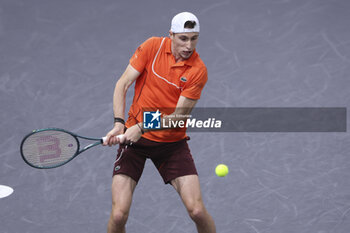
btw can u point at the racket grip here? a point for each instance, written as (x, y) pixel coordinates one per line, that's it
(120, 136)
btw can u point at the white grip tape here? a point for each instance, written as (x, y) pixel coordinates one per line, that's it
(120, 136)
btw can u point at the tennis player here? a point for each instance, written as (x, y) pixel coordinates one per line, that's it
(169, 77)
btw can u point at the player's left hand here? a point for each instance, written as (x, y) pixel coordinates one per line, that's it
(132, 135)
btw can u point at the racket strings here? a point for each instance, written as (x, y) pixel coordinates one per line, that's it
(49, 148)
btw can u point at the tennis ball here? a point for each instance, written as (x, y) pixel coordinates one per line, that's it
(221, 170)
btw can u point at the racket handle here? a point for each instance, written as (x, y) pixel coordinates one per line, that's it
(120, 136)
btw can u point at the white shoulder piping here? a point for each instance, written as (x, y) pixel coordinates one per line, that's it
(157, 75)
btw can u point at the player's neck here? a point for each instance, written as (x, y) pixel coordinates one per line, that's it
(177, 56)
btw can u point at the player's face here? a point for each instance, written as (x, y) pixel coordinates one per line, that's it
(183, 44)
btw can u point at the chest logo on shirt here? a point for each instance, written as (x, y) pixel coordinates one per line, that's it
(183, 79)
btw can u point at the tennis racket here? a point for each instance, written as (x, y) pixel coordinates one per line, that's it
(52, 147)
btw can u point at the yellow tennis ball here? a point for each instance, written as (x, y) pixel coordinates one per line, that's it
(221, 170)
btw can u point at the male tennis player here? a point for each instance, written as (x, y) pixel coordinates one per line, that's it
(169, 74)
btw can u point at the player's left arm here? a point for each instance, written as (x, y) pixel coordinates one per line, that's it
(182, 112)
(183, 108)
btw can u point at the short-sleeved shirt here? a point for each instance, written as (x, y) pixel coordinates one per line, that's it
(161, 82)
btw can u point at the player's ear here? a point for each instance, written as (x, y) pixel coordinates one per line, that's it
(171, 34)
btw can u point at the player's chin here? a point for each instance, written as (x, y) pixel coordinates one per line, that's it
(186, 55)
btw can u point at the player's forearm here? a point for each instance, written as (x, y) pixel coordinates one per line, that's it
(178, 118)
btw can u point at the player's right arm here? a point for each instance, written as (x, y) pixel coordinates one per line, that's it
(128, 77)
(136, 66)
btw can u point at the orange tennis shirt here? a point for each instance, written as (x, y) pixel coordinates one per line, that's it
(161, 82)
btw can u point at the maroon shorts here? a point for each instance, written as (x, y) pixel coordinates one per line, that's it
(172, 159)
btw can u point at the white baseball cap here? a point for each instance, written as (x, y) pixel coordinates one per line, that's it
(179, 20)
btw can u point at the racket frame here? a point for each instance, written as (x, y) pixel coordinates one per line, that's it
(75, 136)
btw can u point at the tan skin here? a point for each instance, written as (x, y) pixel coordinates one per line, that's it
(188, 187)
(183, 44)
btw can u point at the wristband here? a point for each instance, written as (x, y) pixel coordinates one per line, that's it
(142, 131)
(118, 119)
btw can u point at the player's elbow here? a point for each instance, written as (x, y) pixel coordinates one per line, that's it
(121, 86)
